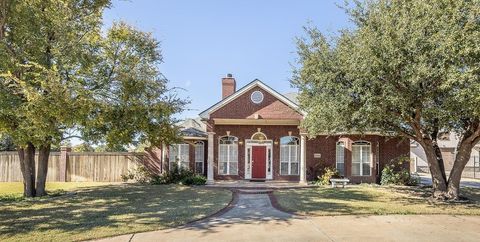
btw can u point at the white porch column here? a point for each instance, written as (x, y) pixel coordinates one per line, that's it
(164, 157)
(303, 158)
(211, 146)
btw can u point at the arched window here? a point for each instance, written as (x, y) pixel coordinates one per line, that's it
(259, 136)
(361, 158)
(228, 155)
(340, 161)
(289, 155)
(199, 157)
(179, 155)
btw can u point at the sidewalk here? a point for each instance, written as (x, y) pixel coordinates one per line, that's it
(253, 218)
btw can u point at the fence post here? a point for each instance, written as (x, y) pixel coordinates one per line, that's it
(64, 150)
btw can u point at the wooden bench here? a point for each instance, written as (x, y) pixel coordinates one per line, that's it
(342, 181)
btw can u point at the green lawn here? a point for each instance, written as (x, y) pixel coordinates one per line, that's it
(93, 211)
(368, 199)
(10, 190)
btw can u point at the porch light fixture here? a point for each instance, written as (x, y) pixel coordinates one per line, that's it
(275, 142)
(240, 142)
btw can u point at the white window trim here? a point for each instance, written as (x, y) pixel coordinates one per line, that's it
(289, 161)
(369, 145)
(228, 161)
(179, 148)
(342, 144)
(202, 161)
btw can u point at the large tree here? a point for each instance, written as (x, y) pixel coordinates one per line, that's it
(60, 74)
(408, 67)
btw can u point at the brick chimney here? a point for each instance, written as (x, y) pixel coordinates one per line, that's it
(228, 86)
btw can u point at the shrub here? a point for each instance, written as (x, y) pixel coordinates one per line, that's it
(194, 180)
(396, 173)
(328, 173)
(140, 174)
(178, 175)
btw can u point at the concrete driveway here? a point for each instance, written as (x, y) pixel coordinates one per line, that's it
(253, 218)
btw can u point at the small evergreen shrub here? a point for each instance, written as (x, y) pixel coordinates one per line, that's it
(396, 173)
(328, 173)
(194, 180)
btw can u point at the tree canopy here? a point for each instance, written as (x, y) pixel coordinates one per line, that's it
(410, 68)
(61, 74)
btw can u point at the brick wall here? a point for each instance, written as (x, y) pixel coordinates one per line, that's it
(243, 132)
(244, 108)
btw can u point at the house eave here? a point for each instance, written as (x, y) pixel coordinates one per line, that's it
(283, 122)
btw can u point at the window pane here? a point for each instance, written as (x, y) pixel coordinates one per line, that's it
(222, 168)
(184, 153)
(294, 168)
(365, 154)
(233, 168)
(199, 152)
(173, 153)
(222, 153)
(233, 155)
(293, 153)
(340, 158)
(283, 168)
(289, 140)
(356, 154)
(199, 167)
(355, 169)
(283, 153)
(341, 168)
(228, 140)
(366, 169)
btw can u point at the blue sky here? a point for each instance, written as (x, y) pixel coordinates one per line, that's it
(202, 41)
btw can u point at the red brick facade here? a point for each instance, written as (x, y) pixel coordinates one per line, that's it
(320, 151)
(243, 108)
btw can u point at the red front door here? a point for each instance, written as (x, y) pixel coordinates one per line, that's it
(259, 158)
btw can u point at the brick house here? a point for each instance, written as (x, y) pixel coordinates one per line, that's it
(253, 134)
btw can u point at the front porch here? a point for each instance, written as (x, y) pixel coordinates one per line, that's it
(269, 184)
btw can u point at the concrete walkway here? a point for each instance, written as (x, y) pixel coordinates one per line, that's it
(253, 218)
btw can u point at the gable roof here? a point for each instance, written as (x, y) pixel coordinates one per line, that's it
(255, 83)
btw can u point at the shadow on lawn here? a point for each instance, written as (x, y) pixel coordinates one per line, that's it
(125, 207)
(363, 200)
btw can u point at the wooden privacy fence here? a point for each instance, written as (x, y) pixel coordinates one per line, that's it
(82, 166)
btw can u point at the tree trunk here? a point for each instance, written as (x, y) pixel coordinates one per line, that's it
(464, 150)
(27, 166)
(439, 181)
(43, 155)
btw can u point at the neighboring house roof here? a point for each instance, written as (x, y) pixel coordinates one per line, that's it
(193, 128)
(292, 96)
(450, 140)
(255, 83)
(193, 123)
(193, 132)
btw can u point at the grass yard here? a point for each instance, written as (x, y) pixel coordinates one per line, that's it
(94, 211)
(373, 199)
(14, 190)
